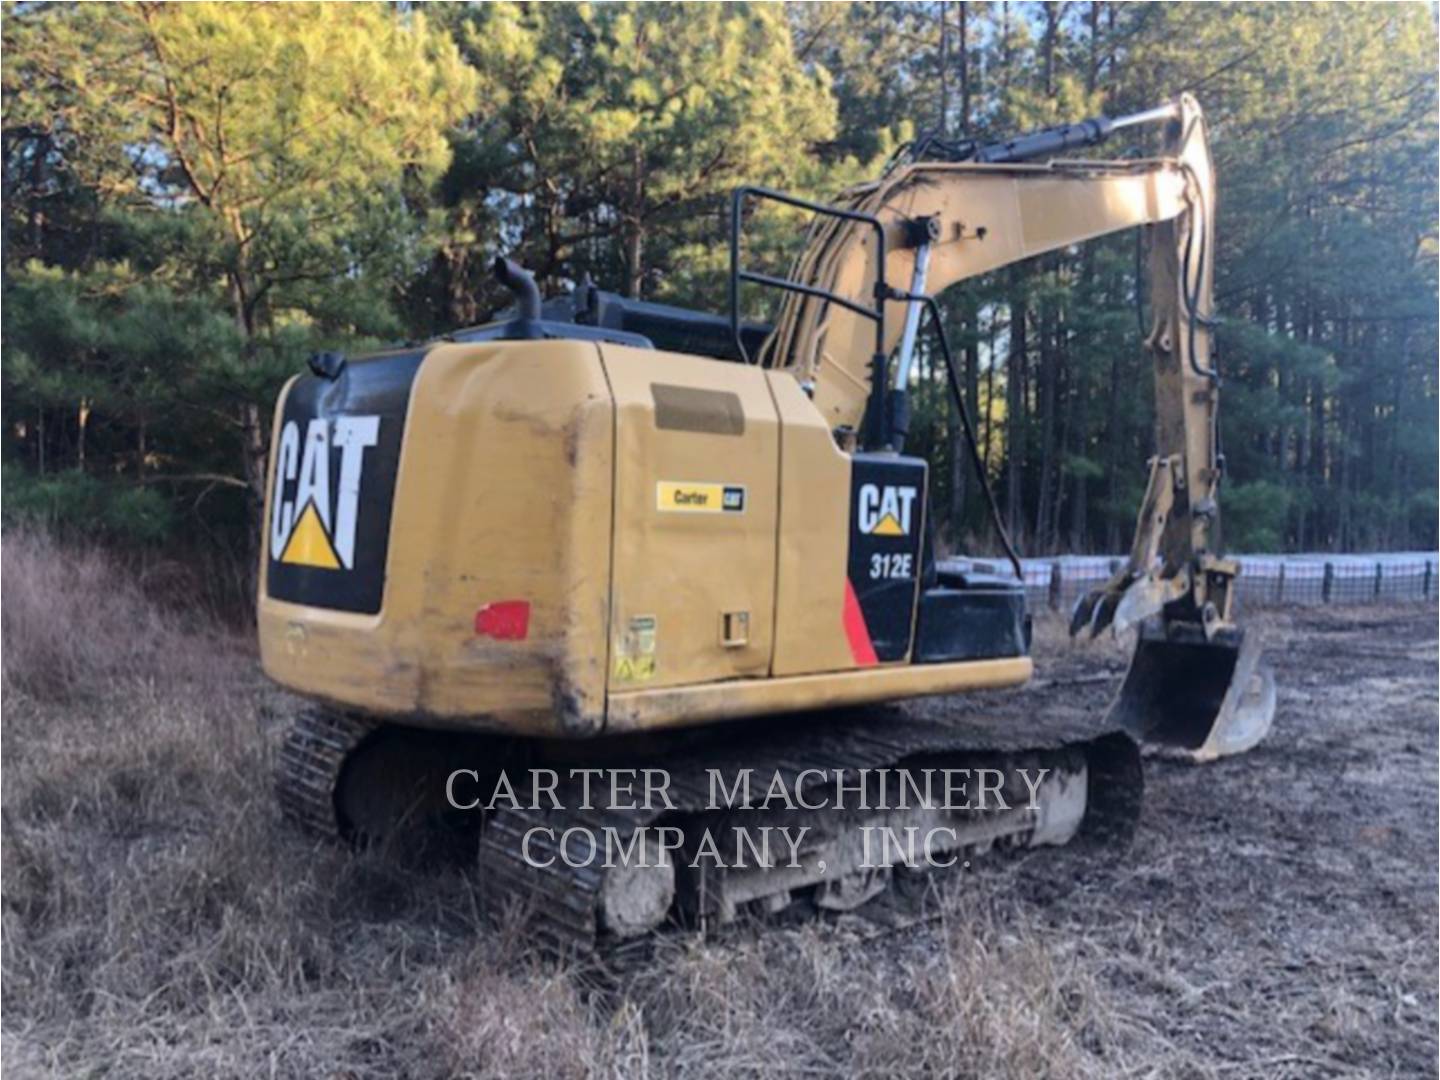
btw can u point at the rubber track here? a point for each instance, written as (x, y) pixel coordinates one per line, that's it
(308, 770)
(562, 902)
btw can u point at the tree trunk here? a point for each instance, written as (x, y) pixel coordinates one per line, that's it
(1046, 406)
(1052, 28)
(634, 270)
(943, 120)
(1080, 402)
(634, 227)
(1065, 394)
(987, 427)
(254, 431)
(972, 376)
(1092, 70)
(1114, 444)
(963, 47)
(1015, 405)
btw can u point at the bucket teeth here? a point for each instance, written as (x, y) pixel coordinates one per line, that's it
(1084, 608)
(1096, 610)
(1104, 613)
(1126, 600)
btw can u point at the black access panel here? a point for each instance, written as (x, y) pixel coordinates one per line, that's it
(887, 522)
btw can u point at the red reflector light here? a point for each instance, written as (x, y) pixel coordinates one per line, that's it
(504, 620)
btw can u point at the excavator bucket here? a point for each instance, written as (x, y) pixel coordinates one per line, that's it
(1194, 699)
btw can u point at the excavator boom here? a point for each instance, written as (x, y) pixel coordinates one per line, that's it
(928, 225)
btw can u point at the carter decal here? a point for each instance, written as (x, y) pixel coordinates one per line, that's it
(700, 498)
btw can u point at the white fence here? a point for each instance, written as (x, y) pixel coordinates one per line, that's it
(1265, 580)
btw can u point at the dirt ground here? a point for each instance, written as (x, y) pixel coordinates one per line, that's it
(1275, 917)
(1277, 913)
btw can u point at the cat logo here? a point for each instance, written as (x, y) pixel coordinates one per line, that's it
(886, 511)
(307, 526)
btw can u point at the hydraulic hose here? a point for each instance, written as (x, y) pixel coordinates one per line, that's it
(953, 378)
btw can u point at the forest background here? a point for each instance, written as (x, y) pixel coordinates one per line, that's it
(197, 196)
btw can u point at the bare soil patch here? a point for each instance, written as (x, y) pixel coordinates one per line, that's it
(1277, 913)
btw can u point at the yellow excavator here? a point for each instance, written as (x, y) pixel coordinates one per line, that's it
(607, 534)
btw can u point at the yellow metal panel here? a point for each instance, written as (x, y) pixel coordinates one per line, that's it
(262, 580)
(642, 710)
(681, 562)
(504, 494)
(814, 538)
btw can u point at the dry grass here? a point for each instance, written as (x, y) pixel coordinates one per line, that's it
(160, 920)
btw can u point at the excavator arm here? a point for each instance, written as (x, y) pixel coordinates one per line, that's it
(846, 331)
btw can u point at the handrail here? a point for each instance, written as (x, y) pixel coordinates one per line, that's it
(881, 291)
(738, 274)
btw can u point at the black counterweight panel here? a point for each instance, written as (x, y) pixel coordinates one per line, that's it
(887, 521)
(334, 464)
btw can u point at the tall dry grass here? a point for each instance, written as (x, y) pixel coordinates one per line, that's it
(160, 920)
(72, 625)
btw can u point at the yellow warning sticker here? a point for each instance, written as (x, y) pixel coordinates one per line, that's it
(697, 498)
(308, 545)
(635, 651)
(634, 669)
